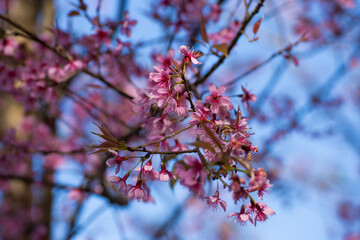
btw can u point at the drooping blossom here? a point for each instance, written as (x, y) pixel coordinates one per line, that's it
(215, 202)
(115, 161)
(260, 211)
(149, 172)
(259, 183)
(192, 174)
(165, 175)
(120, 183)
(136, 192)
(242, 217)
(216, 99)
(237, 187)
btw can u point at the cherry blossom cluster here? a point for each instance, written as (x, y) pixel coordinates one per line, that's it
(217, 147)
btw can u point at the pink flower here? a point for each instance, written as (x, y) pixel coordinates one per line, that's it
(241, 217)
(216, 100)
(201, 115)
(8, 46)
(237, 188)
(126, 24)
(161, 96)
(247, 96)
(189, 55)
(215, 12)
(241, 128)
(73, 66)
(137, 192)
(259, 183)
(161, 78)
(165, 175)
(115, 161)
(260, 211)
(215, 202)
(194, 173)
(149, 172)
(179, 146)
(77, 195)
(120, 183)
(56, 73)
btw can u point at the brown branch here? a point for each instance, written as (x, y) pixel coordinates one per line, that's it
(161, 152)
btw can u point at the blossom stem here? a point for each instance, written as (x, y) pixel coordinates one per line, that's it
(166, 137)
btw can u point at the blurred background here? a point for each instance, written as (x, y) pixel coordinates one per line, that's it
(306, 119)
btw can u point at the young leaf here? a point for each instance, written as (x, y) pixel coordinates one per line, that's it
(257, 25)
(212, 136)
(295, 61)
(203, 33)
(223, 47)
(204, 145)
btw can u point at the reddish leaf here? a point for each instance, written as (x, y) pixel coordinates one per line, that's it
(73, 13)
(95, 86)
(257, 25)
(295, 61)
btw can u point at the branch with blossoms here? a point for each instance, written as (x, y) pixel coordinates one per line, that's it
(74, 192)
(75, 64)
(220, 135)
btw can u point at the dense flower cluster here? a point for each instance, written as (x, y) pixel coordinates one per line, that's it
(220, 147)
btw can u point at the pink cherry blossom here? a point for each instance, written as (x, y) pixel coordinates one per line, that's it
(120, 183)
(242, 217)
(247, 97)
(149, 172)
(165, 175)
(115, 161)
(189, 55)
(193, 174)
(136, 192)
(126, 24)
(260, 211)
(215, 202)
(160, 77)
(216, 99)
(77, 195)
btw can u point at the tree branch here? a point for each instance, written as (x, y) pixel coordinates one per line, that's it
(240, 32)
